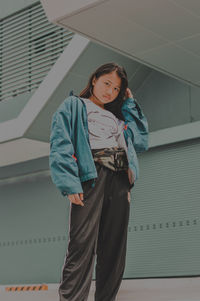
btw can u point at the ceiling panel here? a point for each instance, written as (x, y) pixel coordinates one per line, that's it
(191, 5)
(127, 35)
(162, 34)
(176, 61)
(191, 44)
(162, 17)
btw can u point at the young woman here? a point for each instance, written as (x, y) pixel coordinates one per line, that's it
(94, 140)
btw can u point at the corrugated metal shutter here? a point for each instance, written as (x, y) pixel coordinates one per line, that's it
(164, 225)
(29, 46)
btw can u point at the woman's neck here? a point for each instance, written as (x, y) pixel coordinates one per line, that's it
(96, 101)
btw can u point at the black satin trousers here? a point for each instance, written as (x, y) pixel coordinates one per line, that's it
(99, 228)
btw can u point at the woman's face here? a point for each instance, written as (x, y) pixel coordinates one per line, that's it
(106, 88)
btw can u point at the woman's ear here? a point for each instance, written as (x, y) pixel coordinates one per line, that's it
(93, 80)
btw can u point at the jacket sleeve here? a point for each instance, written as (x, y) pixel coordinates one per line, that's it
(62, 161)
(136, 126)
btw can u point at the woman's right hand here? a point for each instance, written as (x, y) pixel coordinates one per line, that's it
(76, 198)
(128, 93)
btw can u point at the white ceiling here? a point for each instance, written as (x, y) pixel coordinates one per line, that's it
(162, 34)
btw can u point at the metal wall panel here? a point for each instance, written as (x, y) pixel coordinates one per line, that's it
(33, 229)
(164, 226)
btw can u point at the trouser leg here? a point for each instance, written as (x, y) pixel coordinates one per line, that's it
(84, 223)
(112, 238)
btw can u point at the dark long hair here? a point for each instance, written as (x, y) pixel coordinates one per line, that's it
(115, 105)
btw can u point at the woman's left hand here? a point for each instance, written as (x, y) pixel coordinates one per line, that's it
(128, 93)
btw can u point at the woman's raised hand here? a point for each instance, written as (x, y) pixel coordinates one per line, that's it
(128, 93)
(76, 198)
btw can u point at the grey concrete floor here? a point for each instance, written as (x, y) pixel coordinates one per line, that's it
(163, 289)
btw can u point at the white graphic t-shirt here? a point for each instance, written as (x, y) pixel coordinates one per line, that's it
(105, 130)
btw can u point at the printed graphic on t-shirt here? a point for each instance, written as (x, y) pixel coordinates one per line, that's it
(105, 130)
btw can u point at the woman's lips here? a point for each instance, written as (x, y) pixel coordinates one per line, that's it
(107, 97)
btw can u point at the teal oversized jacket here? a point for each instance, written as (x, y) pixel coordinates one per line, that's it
(71, 160)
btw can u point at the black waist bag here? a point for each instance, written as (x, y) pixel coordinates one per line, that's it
(113, 158)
